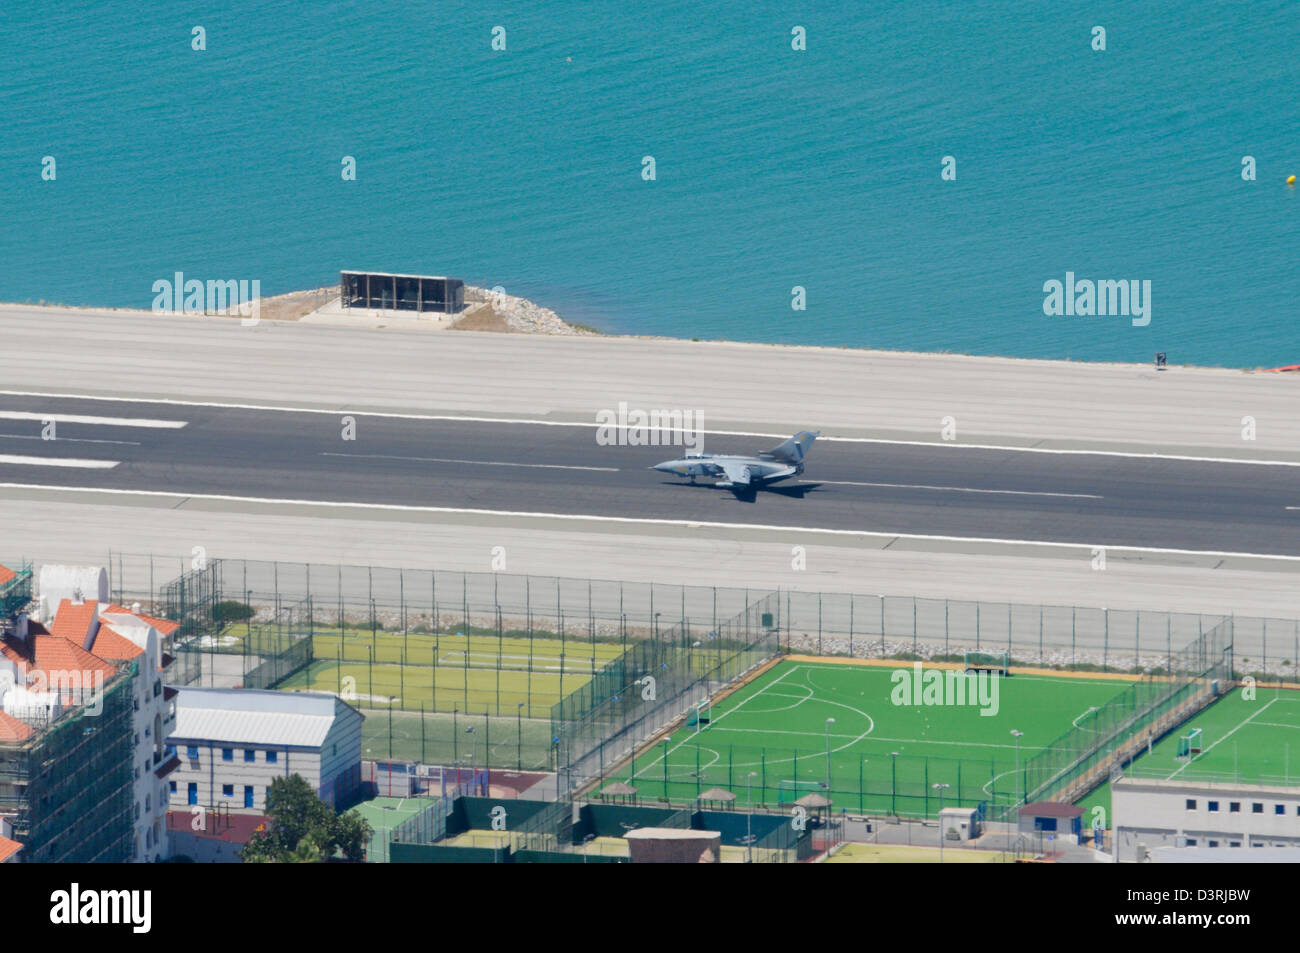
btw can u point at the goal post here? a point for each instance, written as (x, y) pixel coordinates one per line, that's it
(1189, 745)
(701, 714)
(789, 791)
(997, 662)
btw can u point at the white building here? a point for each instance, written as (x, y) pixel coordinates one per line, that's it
(233, 742)
(116, 634)
(1152, 814)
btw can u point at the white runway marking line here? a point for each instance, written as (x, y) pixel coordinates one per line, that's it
(480, 463)
(956, 489)
(27, 436)
(1206, 751)
(7, 458)
(642, 521)
(96, 421)
(173, 402)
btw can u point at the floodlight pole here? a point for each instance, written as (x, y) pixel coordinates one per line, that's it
(473, 751)
(940, 788)
(749, 819)
(519, 733)
(893, 782)
(829, 722)
(1017, 735)
(465, 652)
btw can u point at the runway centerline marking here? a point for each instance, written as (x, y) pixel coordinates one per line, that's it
(8, 458)
(956, 489)
(93, 420)
(335, 411)
(27, 436)
(480, 463)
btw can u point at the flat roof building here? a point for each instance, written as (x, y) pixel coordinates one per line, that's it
(1152, 814)
(383, 291)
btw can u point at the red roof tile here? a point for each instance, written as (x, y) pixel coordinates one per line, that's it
(111, 644)
(53, 655)
(75, 622)
(8, 848)
(163, 626)
(6, 574)
(11, 729)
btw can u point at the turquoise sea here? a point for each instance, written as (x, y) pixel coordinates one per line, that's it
(775, 168)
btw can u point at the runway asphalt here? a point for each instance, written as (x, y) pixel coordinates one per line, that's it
(938, 490)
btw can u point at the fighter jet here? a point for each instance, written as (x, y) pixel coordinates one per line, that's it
(740, 473)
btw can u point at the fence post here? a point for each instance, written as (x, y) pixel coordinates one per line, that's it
(882, 624)
(1264, 636)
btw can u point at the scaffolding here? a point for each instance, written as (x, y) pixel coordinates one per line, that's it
(67, 788)
(16, 593)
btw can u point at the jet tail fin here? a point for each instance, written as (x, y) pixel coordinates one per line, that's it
(794, 449)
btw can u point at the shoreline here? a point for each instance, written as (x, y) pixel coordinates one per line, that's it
(508, 314)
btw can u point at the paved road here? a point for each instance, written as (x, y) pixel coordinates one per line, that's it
(894, 488)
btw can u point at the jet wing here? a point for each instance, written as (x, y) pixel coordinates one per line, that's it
(737, 474)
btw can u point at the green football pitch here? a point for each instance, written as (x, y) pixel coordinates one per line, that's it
(1254, 741)
(806, 727)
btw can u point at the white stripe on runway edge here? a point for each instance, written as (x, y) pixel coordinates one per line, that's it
(57, 462)
(96, 421)
(639, 521)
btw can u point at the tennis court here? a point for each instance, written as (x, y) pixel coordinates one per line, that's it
(836, 729)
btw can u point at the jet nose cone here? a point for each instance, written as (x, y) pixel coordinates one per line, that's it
(662, 467)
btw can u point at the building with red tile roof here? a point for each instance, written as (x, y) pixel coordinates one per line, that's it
(47, 674)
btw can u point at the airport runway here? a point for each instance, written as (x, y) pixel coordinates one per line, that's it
(878, 487)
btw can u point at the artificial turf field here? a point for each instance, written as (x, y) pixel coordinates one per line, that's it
(883, 758)
(1255, 741)
(477, 673)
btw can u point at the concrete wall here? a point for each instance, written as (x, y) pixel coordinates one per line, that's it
(1155, 814)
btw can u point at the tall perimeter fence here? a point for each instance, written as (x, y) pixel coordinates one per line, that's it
(865, 626)
(549, 673)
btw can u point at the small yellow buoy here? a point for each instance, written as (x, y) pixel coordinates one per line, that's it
(1290, 180)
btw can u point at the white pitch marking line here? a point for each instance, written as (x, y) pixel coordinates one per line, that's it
(637, 521)
(27, 436)
(6, 458)
(98, 421)
(713, 721)
(481, 463)
(1206, 751)
(956, 489)
(718, 433)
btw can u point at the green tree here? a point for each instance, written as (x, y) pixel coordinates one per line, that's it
(303, 829)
